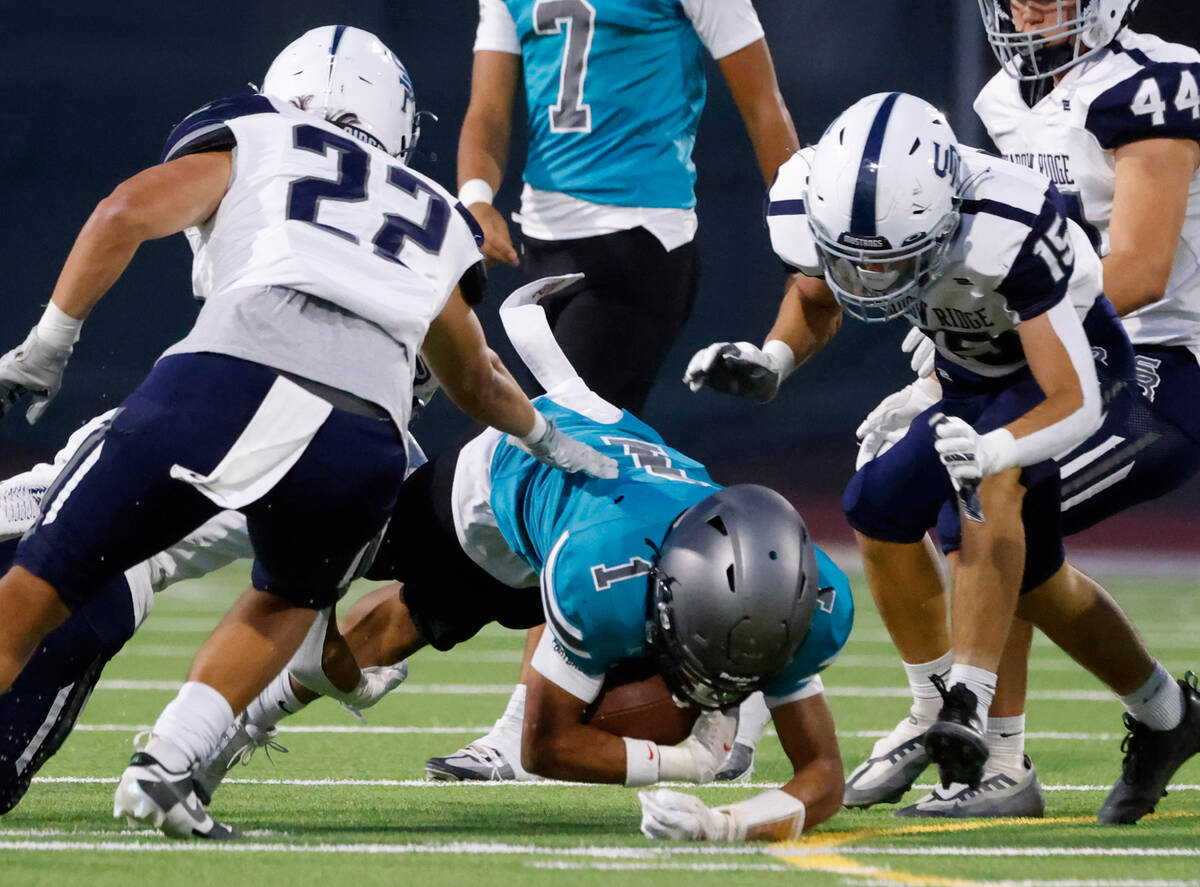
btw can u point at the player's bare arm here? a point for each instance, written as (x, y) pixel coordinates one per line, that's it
(806, 732)
(557, 744)
(808, 318)
(157, 202)
(483, 146)
(750, 74)
(1153, 179)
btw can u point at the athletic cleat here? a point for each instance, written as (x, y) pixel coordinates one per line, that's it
(475, 761)
(1151, 759)
(894, 765)
(151, 795)
(237, 747)
(998, 795)
(955, 741)
(738, 766)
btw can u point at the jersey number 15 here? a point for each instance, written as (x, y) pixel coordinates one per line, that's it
(350, 186)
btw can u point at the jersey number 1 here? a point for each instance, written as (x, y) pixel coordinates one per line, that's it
(579, 18)
(354, 164)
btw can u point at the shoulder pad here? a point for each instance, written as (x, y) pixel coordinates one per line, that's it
(206, 129)
(1159, 100)
(787, 217)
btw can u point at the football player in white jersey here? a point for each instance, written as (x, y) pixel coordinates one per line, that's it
(978, 253)
(325, 264)
(1113, 117)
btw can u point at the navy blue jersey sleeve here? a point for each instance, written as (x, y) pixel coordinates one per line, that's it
(1161, 101)
(1039, 276)
(206, 129)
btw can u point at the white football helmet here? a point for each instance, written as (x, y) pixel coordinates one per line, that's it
(883, 201)
(348, 77)
(1081, 29)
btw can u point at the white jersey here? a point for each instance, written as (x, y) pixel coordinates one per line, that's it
(1014, 256)
(311, 210)
(1140, 87)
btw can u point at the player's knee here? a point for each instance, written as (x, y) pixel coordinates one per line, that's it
(1003, 492)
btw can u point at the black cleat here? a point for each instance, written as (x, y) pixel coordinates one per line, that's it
(1151, 759)
(956, 742)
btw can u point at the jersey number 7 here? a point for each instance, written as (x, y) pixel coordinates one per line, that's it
(354, 163)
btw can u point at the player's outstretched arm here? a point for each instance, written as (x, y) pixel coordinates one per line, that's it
(155, 203)
(483, 147)
(1153, 178)
(750, 74)
(808, 318)
(813, 795)
(482, 387)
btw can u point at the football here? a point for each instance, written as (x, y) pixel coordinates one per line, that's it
(635, 702)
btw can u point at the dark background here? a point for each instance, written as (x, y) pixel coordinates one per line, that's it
(93, 89)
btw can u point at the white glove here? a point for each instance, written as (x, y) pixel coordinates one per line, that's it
(737, 368)
(549, 445)
(36, 368)
(377, 681)
(923, 352)
(968, 455)
(888, 422)
(674, 816)
(698, 757)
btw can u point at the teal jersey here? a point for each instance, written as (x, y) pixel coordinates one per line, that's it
(592, 541)
(614, 90)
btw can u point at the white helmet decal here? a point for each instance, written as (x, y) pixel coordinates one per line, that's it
(350, 78)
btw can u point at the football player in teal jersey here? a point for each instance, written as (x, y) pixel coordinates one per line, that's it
(614, 91)
(720, 589)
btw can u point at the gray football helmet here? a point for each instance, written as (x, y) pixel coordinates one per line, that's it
(732, 594)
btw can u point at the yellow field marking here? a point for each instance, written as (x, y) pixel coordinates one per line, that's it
(814, 853)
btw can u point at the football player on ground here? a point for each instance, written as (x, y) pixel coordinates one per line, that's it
(324, 265)
(639, 566)
(978, 253)
(1113, 117)
(614, 91)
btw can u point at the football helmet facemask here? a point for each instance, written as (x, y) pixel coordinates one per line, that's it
(348, 77)
(1056, 47)
(883, 203)
(731, 595)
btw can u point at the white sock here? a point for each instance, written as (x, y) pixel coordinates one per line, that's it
(1006, 744)
(979, 681)
(927, 702)
(753, 717)
(274, 703)
(513, 719)
(1158, 703)
(193, 722)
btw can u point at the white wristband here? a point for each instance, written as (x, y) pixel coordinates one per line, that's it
(781, 353)
(678, 764)
(538, 431)
(57, 328)
(476, 191)
(774, 805)
(1001, 449)
(642, 759)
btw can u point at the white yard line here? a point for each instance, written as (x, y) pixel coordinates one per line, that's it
(425, 783)
(439, 730)
(506, 690)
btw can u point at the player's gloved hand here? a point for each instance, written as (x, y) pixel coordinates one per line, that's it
(549, 445)
(923, 352)
(968, 455)
(709, 743)
(888, 422)
(736, 368)
(376, 682)
(36, 368)
(674, 816)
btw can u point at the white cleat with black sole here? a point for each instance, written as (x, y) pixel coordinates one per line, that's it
(1000, 795)
(893, 766)
(149, 794)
